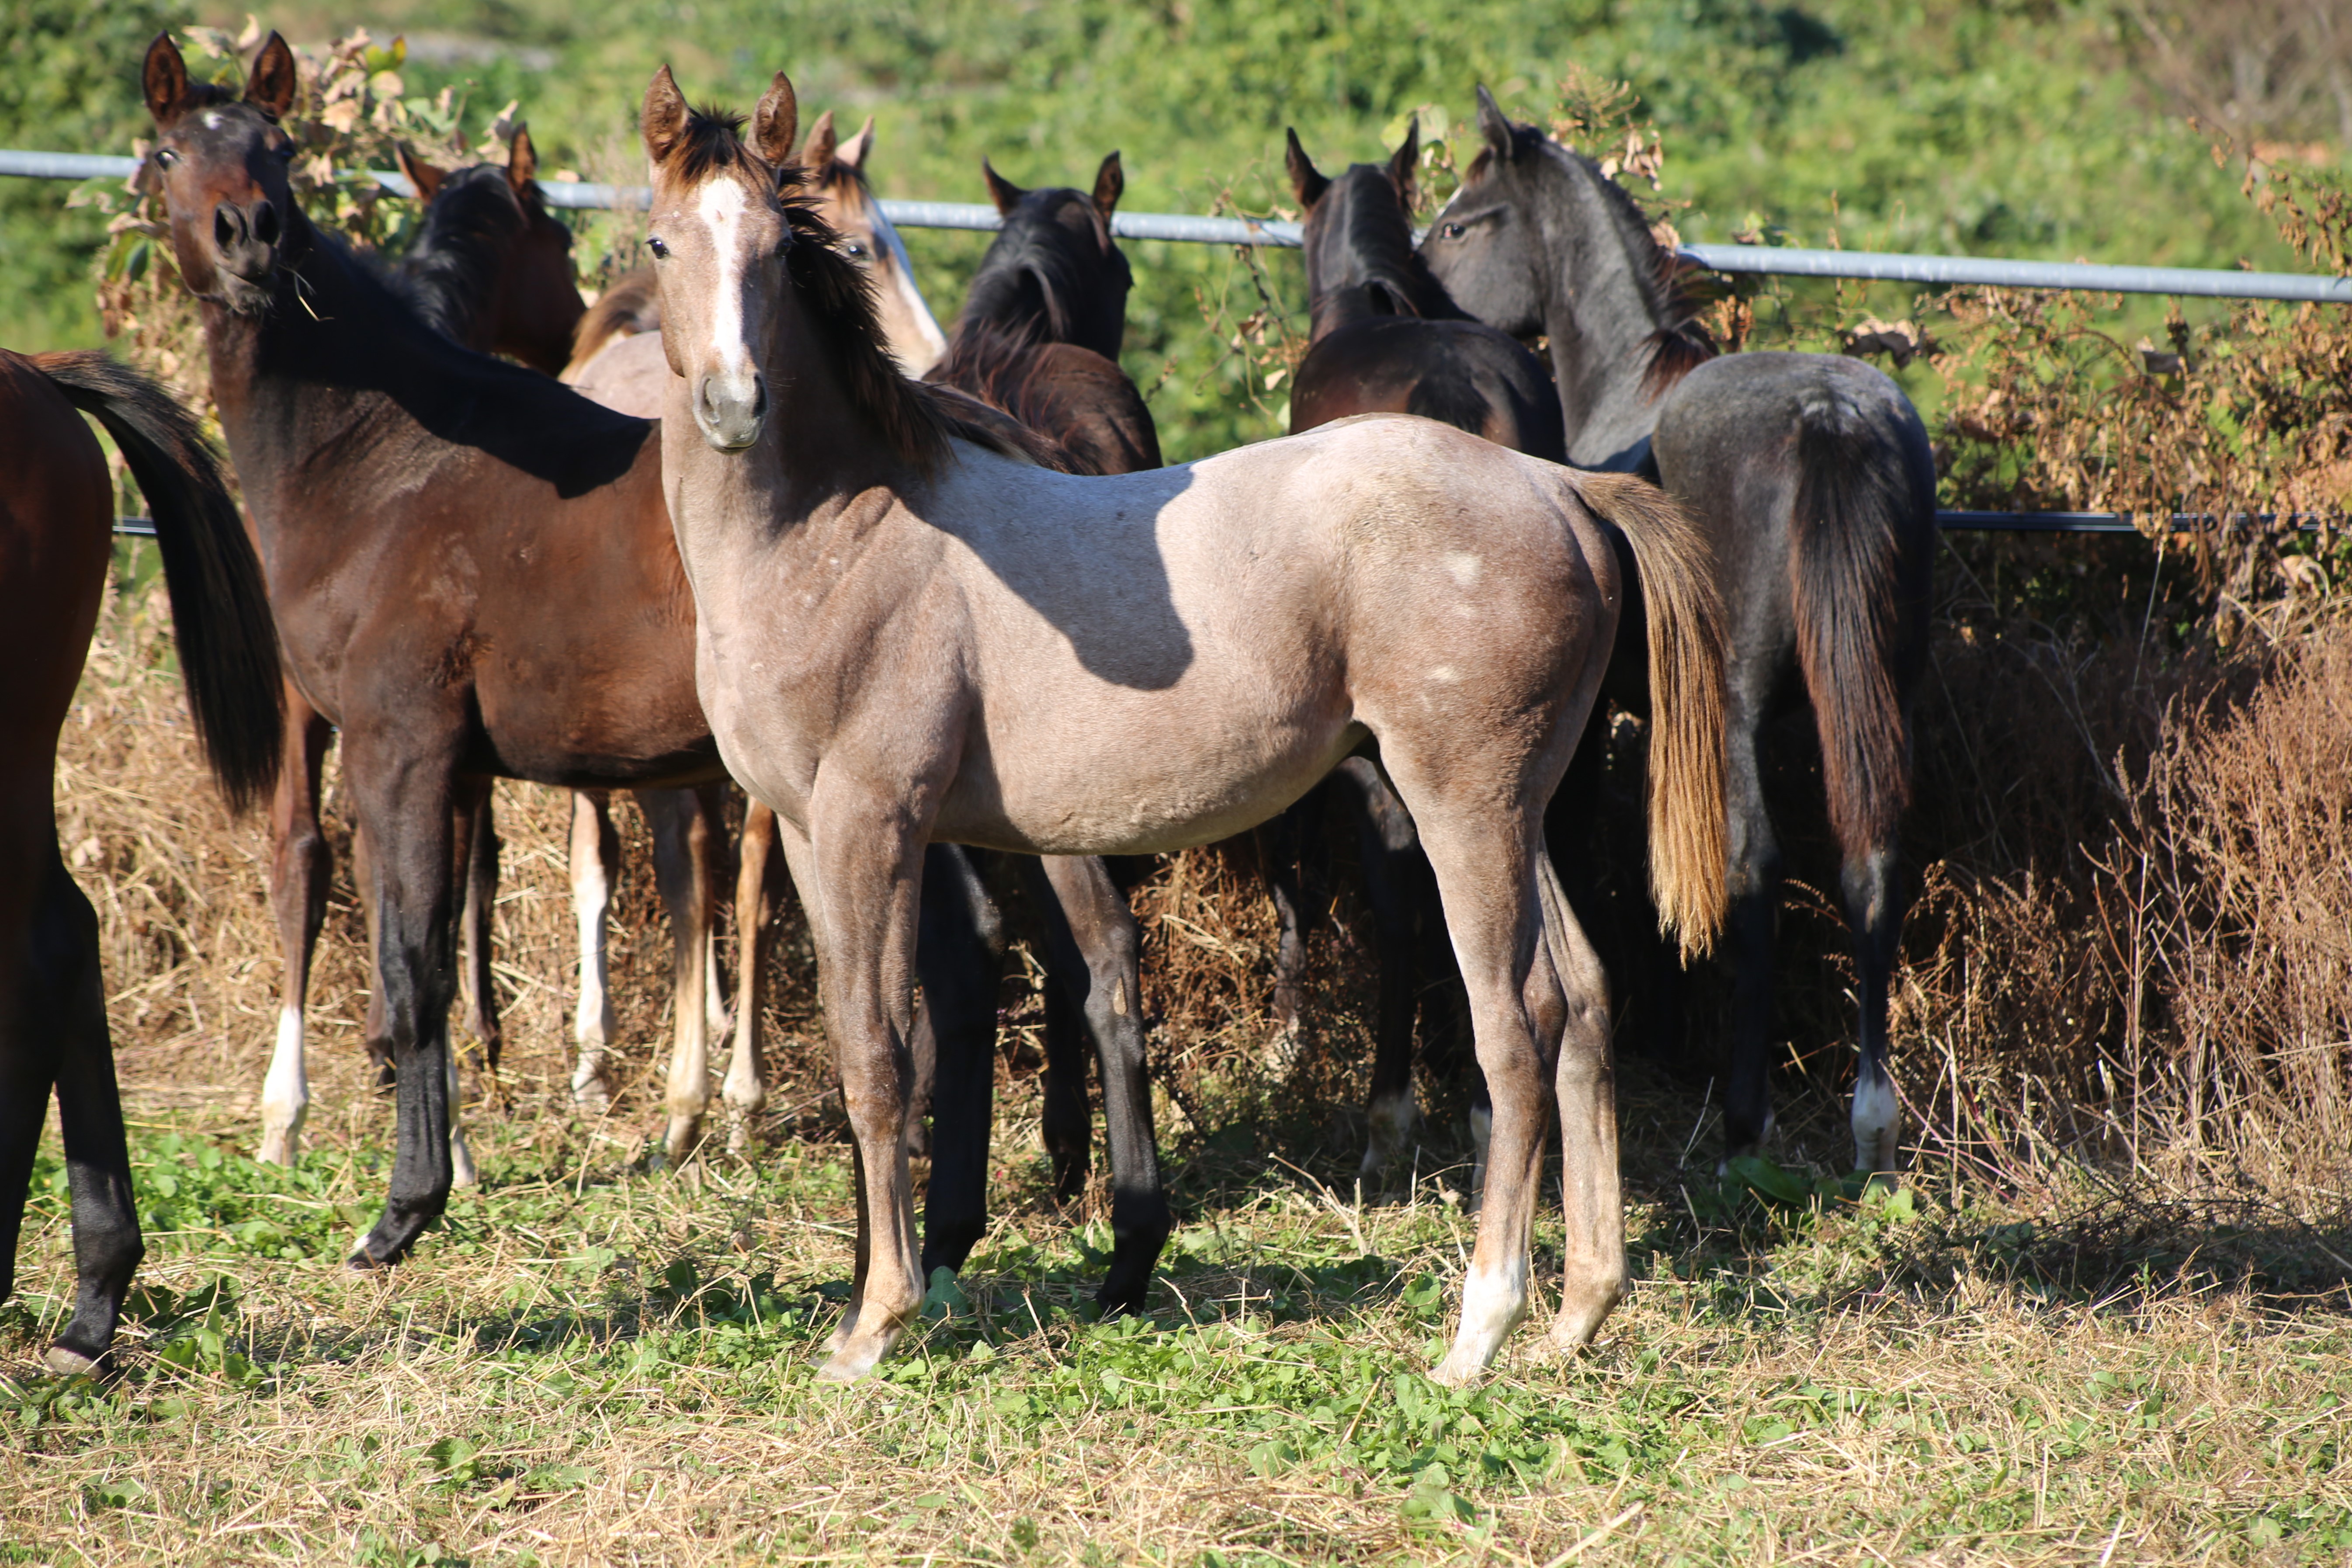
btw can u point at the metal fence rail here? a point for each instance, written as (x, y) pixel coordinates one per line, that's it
(1776, 260)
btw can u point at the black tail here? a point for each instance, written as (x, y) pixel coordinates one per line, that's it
(1864, 535)
(220, 611)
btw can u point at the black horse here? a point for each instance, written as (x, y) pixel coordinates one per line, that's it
(1814, 477)
(1385, 337)
(1039, 338)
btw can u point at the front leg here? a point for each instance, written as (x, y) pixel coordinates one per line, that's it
(404, 784)
(298, 872)
(868, 851)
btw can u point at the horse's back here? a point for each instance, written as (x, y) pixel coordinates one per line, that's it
(630, 376)
(1462, 373)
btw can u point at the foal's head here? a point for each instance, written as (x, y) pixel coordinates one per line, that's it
(845, 198)
(1359, 233)
(751, 276)
(493, 268)
(1053, 272)
(221, 162)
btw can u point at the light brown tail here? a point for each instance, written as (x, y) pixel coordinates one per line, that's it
(1687, 638)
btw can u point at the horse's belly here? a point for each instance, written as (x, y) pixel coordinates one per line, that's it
(1143, 786)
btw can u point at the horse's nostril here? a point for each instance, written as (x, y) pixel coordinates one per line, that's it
(265, 223)
(226, 229)
(759, 397)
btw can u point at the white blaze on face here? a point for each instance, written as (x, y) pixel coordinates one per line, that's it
(721, 210)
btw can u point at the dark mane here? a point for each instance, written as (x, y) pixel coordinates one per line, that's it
(915, 420)
(1375, 243)
(1038, 282)
(467, 227)
(1679, 344)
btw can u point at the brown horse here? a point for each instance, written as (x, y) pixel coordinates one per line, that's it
(472, 567)
(56, 521)
(905, 634)
(492, 270)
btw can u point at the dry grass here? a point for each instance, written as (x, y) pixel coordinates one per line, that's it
(2108, 1324)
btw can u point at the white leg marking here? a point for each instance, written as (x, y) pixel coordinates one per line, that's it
(461, 1159)
(1492, 1306)
(285, 1094)
(1877, 1119)
(1393, 1118)
(592, 1025)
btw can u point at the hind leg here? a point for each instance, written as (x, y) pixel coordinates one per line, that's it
(1283, 846)
(1497, 910)
(683, 838)
(745, 1089)
(72, 1009)
(299, 867)
(1749, 924)
(595, 859)
(1394, 878)
(959, 955)
(1097, 960)
(1875, 915)
(478, 841)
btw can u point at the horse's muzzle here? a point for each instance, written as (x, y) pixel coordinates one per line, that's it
(246, 240)
(730, 410)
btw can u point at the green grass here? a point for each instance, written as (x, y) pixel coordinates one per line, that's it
(588, 1362)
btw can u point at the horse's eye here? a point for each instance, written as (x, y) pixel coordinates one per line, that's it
(1449, 231)
(856, 251)
(165, 157)
(661, 251)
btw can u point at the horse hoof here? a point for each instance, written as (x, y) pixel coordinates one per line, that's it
(277, 1149)
(67, 1362)
(849, 1363)
(364, 1262)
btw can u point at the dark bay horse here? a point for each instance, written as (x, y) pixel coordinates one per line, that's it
(1385, 337)
(56, 527)
(492, 270)
(1812, 478)
(471, 567)
(908, 633)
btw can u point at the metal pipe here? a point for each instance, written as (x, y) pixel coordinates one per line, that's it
(1789, 262)
(1778, 260)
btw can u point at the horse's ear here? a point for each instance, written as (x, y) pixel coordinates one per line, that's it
(426, 177)
(1002, 190)
(663, 120)
(1110, 184)
(1500, 134)
(271, 84)
(1307, 182)
(854, 151)
(822, 145)
(522, 161)
(165, 78)
(776, 121)
(1406, 164)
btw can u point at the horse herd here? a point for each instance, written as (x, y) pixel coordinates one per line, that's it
(935, 603)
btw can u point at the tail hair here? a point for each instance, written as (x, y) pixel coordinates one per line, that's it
(1687, 703)
(220, 609)
(1847, 593)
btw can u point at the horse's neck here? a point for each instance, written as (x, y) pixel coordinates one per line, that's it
(283, 378)
(1373, 273)
(1599, 316)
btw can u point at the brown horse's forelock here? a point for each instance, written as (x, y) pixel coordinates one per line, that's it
(915, 422)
